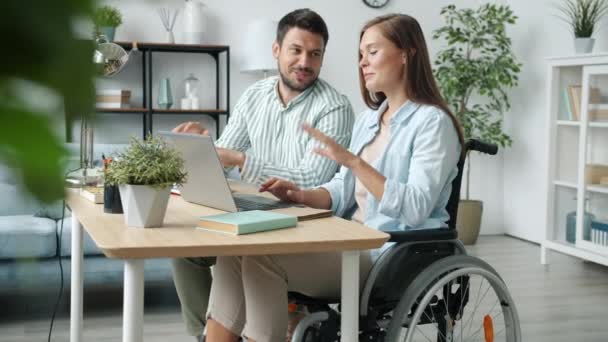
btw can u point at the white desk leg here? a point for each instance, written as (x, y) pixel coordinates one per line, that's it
(76, 285)
(350, 296)
(133, 310)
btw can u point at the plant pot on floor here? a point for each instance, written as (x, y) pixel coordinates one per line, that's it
(468, 221)
(144, 206)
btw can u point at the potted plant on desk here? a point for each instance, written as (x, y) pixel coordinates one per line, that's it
(144, 173)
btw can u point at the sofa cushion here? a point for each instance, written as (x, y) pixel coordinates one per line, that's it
(26, 236)
(89, 247)
(13, 201)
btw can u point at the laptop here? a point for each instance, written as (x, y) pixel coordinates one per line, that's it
(207, 183)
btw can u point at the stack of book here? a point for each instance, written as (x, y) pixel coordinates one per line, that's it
(93, 194)
(573, 99)
(113, 98)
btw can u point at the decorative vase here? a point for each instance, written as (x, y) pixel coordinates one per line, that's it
(144, 205)
(111, 200)
(583, 45)
(170, 37)
(194, 22)
(468, 221)
(165, 98)
(108, 31)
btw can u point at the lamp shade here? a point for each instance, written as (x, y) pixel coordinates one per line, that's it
(259, 37)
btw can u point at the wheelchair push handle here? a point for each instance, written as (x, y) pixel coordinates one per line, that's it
(480, 146)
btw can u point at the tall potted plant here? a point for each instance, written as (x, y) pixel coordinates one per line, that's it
(144, 173)
(106, 20)
(474, 72)
(582, 16)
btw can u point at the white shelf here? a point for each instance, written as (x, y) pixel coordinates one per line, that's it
(571, 249)
(565, 184)
(571, 143)
(599, 124)
(598, 188)
(568, 123)
(572, 123)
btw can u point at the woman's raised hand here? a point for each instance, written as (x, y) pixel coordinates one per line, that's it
(331, 149)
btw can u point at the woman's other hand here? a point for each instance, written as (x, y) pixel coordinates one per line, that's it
(283, 190)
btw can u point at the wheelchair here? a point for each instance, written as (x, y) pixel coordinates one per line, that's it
(423, 288)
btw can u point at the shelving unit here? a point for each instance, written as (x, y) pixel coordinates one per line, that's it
(572, 145)
(147, 110)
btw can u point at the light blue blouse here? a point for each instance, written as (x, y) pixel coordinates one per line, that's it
(419, 163)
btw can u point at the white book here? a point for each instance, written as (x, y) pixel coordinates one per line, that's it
(112, 105)
(110, 92)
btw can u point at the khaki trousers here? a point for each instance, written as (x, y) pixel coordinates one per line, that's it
(192, 278)
(249, 294)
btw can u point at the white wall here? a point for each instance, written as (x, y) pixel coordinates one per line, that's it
(512, 184)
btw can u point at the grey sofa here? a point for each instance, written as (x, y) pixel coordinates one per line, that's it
(32, 236)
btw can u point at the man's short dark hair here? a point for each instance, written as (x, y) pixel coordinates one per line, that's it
(304, 19)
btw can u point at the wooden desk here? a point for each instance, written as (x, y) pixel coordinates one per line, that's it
(179, 238)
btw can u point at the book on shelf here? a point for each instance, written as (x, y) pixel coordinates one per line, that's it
(93, 194)
(247, 222)
(597, 111)
(113, 98)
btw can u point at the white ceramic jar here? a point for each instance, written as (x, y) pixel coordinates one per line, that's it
(195, 23)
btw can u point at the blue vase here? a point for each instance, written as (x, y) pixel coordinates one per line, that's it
(108, 31)
(165, 98)
(571, 226)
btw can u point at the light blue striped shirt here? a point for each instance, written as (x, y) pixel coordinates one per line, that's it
(419, 163)
(270, 133)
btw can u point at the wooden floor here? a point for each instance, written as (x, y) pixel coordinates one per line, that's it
(563, 302)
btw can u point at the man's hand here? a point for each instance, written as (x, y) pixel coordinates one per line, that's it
(230, 158)
(283, 190)
(191, 127)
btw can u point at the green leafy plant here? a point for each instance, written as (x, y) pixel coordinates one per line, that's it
(107, 16)
(147, 162)
(583, 15)
(476, 69)
(45, 58)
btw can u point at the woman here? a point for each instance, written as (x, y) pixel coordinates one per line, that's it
(396, 175)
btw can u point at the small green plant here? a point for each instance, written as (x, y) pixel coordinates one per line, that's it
(476, 69)
(583, 15)
(149, 162)
(107, 16)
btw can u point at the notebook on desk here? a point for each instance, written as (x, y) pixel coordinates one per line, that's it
(247, 222)
(206, 183)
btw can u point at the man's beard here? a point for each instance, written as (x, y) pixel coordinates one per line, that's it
(294, 86)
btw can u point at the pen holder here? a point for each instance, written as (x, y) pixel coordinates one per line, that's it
(111, 200)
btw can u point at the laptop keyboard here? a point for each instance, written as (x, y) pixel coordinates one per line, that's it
(245, 204)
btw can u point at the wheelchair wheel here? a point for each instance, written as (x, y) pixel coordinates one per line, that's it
(458, 298)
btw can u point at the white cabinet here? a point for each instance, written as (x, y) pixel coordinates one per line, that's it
(577, 202)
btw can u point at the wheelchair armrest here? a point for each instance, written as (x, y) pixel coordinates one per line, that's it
(438, 234)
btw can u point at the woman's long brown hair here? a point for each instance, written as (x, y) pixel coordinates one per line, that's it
(420, 86)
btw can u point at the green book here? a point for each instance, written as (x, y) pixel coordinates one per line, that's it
(247, 222)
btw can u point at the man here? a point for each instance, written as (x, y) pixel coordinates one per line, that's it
(264, 138)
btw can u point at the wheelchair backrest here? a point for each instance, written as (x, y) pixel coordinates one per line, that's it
(415, 250)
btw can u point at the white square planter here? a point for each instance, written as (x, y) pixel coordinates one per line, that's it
(144, 206)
